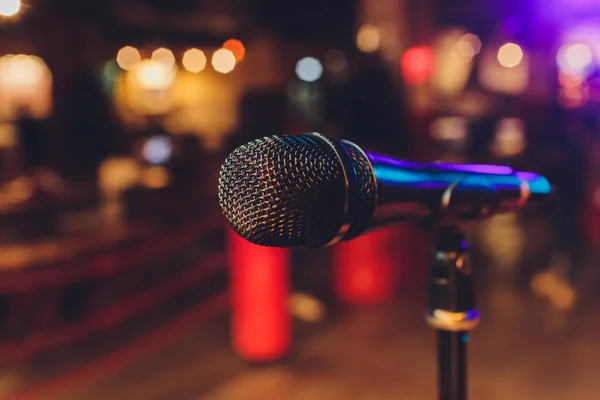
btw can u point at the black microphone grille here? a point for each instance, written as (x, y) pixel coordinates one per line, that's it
(284, 191)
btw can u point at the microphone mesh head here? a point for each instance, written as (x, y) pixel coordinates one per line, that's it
(284, 191)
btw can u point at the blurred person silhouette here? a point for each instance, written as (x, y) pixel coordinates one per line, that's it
(369, 108)
(91, 130)
(481, 138)
(32, 140)
(563, 161)
(261, 113)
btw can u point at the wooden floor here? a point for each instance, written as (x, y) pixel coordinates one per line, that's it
(523, 350)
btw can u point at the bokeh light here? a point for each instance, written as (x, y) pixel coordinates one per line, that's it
(153, 75)
(417, 64)
(23, 70)
(223, 61)
(164, 56)
(510, 55)
(306, 307)
(469, 45)
(335, 61)
(157, 150)
(453, 62)
(309, 69)
(505, 71)
(574, 97)
(368, 38)
(128, 57)
(509, 138)
(156, 177)
(110, 72)
(570, 81)
(25, 83)
(9, 8)
(237, 48)
(574, 58)
(194, 60)
(449, 128)
(584, 32)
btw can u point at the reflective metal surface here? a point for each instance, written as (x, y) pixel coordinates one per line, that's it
(312, 191)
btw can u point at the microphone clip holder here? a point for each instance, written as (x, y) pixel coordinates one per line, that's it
(451, 309)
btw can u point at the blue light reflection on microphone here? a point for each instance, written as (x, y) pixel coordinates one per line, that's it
(435, 176)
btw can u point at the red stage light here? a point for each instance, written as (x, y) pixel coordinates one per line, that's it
(417, 64)
(236, 47)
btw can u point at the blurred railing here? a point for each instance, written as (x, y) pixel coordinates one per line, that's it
(54, 305)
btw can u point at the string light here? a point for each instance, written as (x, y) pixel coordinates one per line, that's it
(128, 57)
(309, 69)
(10, 8)
(153, 75)
(194, 60)
(237, 48)
(368, 38)
(223, 61)
(510, 55)
(164, 56)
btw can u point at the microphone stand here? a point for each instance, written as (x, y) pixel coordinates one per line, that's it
(451, 310)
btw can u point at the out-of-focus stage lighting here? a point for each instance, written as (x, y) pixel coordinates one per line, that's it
(417, 64)
(509, 138)
(9, 8)
(128, 57)
(574, 58)
(157, 150)
(309, 69)
(194, 60)
(449, 129)
(164, 56)
(368, 39)
(26, 85)
(223, 61)
(152, 75)
(510, 55)
(469, 45)
(237, 48)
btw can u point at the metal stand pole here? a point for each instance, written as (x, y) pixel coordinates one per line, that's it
(451, 311)
(452, 368)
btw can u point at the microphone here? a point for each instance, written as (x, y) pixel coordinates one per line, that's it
(313, 191)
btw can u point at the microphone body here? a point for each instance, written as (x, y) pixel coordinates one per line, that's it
(418, 192)
(314, 191)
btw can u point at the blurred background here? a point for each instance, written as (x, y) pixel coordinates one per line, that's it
(114, 259)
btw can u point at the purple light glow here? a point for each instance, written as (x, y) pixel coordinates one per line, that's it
(480, 168)
(537, 183)
(526, 176)
(574, 58)
(567, 11)
(475, 168)
(581, 4)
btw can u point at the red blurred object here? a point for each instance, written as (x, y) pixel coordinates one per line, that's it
(417, 64)
(261, 321)
(591, 216)
(365, 269)
(368, 270)
(236, 47)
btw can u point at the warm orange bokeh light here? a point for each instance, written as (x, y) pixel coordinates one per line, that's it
(9, 8)
(194, 60)
(237, 48)
(128, 57)
(223, 61)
